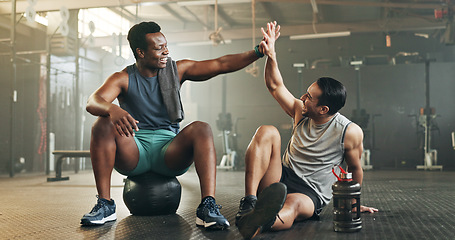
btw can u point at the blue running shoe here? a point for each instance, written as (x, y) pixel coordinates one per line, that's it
(208, 215)
(103, 211)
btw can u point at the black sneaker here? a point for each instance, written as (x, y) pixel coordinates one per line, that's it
(269, 203)
(103, 211)
(246, 205)
(208, 215)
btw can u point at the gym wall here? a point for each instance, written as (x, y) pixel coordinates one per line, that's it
(25, 126)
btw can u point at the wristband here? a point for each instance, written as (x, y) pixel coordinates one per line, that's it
(258, 53)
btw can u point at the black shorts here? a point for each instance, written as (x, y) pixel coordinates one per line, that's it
(295, 184)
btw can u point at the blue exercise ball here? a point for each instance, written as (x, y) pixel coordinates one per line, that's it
(151, 194)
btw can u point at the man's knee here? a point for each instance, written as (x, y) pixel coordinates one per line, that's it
(267, 132)
(101, 127)
(200, 129)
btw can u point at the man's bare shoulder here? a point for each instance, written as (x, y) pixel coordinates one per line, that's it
(119, 78)
(353, 136)
(120, 74)
(183, 64)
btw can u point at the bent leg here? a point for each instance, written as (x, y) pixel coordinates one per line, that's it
(195, 144)
(108, 148)
(262, 160)
(298, 207)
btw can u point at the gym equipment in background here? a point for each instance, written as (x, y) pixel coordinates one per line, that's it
(224, 123)
(229, 137)
(453, 140)
(426, 119)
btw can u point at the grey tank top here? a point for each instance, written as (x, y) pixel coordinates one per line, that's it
(314, 150)
(144, 102)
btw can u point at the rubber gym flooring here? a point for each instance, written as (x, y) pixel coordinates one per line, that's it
(412, 204)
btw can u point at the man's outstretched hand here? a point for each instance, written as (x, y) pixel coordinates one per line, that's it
(368, 209)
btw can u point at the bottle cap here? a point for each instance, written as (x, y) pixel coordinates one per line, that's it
(346, 175)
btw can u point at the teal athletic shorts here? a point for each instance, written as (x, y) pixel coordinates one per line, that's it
(152, 145)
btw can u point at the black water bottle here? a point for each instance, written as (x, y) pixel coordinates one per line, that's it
(346, 203)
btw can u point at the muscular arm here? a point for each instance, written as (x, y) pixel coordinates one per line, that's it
(100, 104)
(353, 145)
(273, 79)
(204, 70)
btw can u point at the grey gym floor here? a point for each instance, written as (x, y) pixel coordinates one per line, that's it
(412, 204)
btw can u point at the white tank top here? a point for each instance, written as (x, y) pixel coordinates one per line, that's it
(314, 149)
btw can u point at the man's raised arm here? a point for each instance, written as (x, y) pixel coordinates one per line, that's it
(272, 75)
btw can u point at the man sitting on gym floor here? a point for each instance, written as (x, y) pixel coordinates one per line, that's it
(148, 93)
(297, 187)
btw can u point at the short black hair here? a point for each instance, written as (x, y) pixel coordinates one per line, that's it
(136, 35)
(333, 94)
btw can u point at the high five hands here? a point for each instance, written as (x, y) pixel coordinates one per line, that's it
(270, 35)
